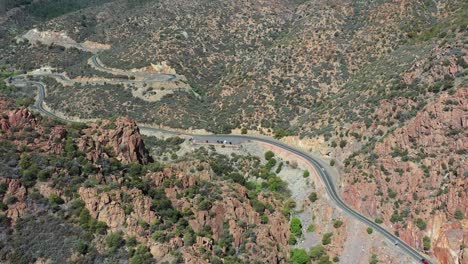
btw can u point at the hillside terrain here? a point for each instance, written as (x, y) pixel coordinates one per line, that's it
(378, 88)
(113, 202)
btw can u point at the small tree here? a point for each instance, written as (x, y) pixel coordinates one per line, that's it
(269, 154)
(244, 131)
(313, 197)
(306, 174)
(370, 230)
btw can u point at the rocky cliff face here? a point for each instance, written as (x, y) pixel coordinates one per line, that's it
(120, 139)
(230, 217)
(415, 179)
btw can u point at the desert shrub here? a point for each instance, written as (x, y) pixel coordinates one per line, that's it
(296, 226)
(420, 223)
(55, 199)
(337, 223)
(343, 143)
(426, 243)
(82, 247)
(269, 154)
(369, 230)
(142, 255)
(326, 239)
(114, 241)
(258, 206)
(311, 228)
(280, 133)
(292, 240)
(288, 206)
(316, 252)
(378, 221)
(313, 197)
(299, 256)
(459, 214)
(306, 174)
(280, 167)
(237, 178)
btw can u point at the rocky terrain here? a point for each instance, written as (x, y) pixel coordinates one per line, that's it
(100, 179)
(377, 87)
(414, 180)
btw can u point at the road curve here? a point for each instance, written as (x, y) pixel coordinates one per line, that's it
(321, 170)
(151, 77)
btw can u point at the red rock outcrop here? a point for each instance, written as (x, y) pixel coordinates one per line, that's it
(121, 140)
(419, 172)
(18, 191)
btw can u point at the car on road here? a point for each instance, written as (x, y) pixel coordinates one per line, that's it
(424, 261)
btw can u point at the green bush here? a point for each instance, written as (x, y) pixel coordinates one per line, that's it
(280, 133)
(337, 223)
(280, 167)
(258, 206)
(114, 241)
(205, 204)
(420, 224)
(142, 255)
(288, 205)
(426, 243)
(370, 230)
(296, 226)
(316, 252)
(306, 174)
(343, 143)
(326, 239)
(311, 228)
(269, 154)
(82, 247)
(313, 197)
(459, 214)
(55, 199)
(378, 221)
(299, 256)
(292, 240)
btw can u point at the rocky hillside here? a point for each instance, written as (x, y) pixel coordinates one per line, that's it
(377, 86)
(98, 183)
(414, 180)
(311, 67)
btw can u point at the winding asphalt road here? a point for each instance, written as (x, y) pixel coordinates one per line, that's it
(150, 77)
(319, 165)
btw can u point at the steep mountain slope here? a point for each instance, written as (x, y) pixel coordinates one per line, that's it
(110, 202)
(415, 179)
(379, 87)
